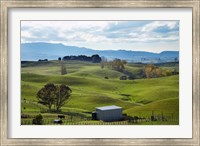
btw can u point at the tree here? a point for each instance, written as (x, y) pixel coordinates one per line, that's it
(63, 69)
(63, 95)
(152, 71)
(118, 65)
(103, 62)
(55, 95)
(59, 58)
(168, 73)
(102, 65)
(96, 59)
(124, 62)
(175, 59)
(47, 95)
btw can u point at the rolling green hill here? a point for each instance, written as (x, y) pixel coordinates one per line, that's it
(90, 89)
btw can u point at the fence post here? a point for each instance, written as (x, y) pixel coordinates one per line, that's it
(162, 117)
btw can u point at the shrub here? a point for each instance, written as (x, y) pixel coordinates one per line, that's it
(38, 120)
(23, 116)
(123, 78)
(106, 78)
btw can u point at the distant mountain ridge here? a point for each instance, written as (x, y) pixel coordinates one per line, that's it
(41, 50)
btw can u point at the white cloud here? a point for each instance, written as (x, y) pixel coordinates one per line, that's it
(26, 34)
(110, 33)
(155, 24)
(65, 25)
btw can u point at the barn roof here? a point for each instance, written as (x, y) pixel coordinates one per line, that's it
(108, 107)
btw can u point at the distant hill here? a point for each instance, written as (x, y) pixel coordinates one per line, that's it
(40, 50)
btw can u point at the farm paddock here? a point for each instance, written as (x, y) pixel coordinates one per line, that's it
(138, 97)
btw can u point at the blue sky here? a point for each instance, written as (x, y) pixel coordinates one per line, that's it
(151, 36)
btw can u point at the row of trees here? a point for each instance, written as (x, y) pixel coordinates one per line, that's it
(54, 95)
(42, 60)
(149, 71)
(93, 58)
(152, 71)
(116, 64)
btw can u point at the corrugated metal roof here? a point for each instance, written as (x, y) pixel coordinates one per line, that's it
(108, 107)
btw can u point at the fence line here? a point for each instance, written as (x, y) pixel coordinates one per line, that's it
(80, 119)
(66, 122)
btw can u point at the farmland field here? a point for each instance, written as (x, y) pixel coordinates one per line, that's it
(141, 97)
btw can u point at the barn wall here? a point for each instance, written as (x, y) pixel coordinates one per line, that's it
(99, 114)
(109, 115)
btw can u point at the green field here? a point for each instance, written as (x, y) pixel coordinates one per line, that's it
(139, 97)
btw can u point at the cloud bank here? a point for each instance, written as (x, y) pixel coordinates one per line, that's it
(152, 36)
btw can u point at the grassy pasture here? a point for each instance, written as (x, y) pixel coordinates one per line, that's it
(90, 89)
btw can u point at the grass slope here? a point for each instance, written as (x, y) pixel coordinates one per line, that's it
(90, 89)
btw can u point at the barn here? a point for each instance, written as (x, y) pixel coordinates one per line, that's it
(108, 113)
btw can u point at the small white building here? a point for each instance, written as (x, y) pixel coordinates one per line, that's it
(109, 113)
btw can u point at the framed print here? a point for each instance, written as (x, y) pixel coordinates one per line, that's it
(100, 72)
